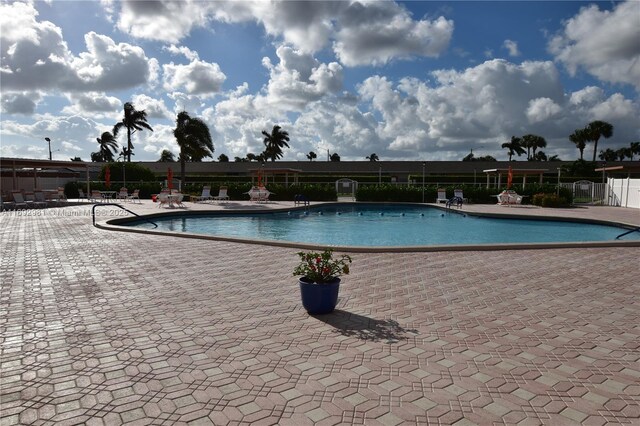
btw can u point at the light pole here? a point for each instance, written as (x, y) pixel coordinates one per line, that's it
(49, 142)
(558, 192)
(424, 165)
(380, 175)
(604, 165)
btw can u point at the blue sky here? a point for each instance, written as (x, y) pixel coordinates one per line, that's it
(416, 80)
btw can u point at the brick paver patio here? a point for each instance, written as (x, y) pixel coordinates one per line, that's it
(102, 327)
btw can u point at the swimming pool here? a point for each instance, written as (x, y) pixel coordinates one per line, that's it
(383, 225)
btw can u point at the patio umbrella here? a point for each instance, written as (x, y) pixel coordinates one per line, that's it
(170, 179)
(509, 178)
(107, 177)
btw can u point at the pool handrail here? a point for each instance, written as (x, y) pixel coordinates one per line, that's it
(93, 213)
(628, 232)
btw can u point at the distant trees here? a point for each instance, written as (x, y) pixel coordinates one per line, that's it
(472, 157)
(194, 139)
(133, 120)
(223, 158)
(167, 157)
(372, 157)
(531, 143)
(334, 157)
(312, 156)
(274, 142)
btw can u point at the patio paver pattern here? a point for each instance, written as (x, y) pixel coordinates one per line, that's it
(103, 327)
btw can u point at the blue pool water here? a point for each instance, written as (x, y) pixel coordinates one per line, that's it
(385, 225)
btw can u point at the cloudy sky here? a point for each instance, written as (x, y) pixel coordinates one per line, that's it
(418, 80)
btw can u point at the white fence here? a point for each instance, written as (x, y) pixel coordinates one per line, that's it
(624, 192)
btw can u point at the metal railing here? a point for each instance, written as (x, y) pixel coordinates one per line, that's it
(93, 213)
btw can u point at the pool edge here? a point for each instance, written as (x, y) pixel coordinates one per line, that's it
(113, 225)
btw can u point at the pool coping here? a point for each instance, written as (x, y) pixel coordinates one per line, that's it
(114, 225)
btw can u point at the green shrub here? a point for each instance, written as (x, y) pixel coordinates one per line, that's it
(549, 200)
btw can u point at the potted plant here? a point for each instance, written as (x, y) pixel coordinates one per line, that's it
(319, 281)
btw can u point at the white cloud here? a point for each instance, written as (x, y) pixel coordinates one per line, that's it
(162, 20)
(36, 57)
(299, 79)
(155, 108)
(604, 43)
(363, 33)
(196, 78)
(20, 102)
(512, 47)
(377, 32)
(182, 50)
(92, 102)
(541, 109)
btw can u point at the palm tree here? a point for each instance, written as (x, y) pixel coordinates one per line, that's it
(608, 155)
(274, 143)
(334, 157)
(514, 147)
(532, 143)
(108, 146)
(194, 140)
(579, 137)
(372, 157)
(167, 157)
(596, 130)
(634, 148)
(312, 155)
(133, 120)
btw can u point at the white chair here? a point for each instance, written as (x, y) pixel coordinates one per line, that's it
(460, 194)
(81, 195)
(177, 199)
(123, 194)
(163, 198)
(61, 196)
(442, 196)
(96, 196)
(206, 195)
(222, 194)
(135, 196)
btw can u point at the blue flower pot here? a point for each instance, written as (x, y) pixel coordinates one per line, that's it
(319, 298)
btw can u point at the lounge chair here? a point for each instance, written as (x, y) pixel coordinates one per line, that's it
(134, 196)
(206, 195)
(442, 196)
(96, 196)
(123, 194)
(19, 200)
(460, 194)
(40, 199)
(222, 194)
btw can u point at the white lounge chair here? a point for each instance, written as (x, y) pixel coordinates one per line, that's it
(96, 196)
(442, 196)
(222, 194)
(460, 194)
(135, 195)
(123, 194)
(206, 195)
